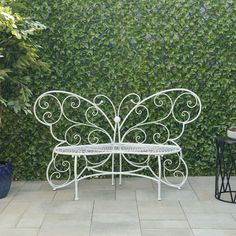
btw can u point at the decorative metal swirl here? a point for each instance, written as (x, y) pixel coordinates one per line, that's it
(54, 172)
(44, 105)
(169, 168)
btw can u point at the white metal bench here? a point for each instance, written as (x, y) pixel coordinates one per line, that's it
(147, 128)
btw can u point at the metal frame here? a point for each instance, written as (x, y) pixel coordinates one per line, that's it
(49, 109)
(225, 168)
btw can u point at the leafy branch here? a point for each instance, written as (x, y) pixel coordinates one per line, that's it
(18, 58)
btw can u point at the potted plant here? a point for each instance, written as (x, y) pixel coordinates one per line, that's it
(18, 60)
(5, 178)
(231, 132)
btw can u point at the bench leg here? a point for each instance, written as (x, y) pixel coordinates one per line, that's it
(112, 169)
(76, 179)
(159, 175)
(120, 164)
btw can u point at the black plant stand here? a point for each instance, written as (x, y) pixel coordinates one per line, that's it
(225, 169)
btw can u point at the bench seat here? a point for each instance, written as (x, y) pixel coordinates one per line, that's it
(118, 148)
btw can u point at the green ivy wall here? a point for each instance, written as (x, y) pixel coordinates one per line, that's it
(115, 47)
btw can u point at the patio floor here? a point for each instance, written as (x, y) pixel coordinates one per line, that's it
(132, 209)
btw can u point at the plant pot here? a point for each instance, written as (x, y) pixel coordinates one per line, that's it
(5, 178)
(231, 132)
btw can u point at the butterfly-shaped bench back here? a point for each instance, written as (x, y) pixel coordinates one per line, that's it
(160, 118)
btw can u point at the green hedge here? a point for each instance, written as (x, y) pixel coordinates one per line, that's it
(115, 47)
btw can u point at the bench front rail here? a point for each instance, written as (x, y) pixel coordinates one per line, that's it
(117, 140)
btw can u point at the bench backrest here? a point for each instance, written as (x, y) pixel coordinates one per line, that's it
(160, 118)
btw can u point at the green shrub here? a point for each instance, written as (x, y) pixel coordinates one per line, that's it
(116, 47)
(18, 58)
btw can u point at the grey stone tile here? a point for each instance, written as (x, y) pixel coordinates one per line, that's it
(234, 216)
(45, 186)
(160, 210)
(166, 232)
(134, 184)
(31, 220)
(214, 221)
(213, 206)
(106, 207)
(17, 184)
(72, 207)
(18, 232)
(54, 220)
(33, 196)
(146, 195)
(115, 225)
(164, 224)
(113, 218)
(16, 207)
(170, 193)
(64, 195)
(205, 194)
(186, 192)
(8, 198)
(202, 181)
(96, 194)
(79, 230)
(215, 232)
(124, 194)
(38, 207)
(173, 180)
(33, 215)
(96, 184)
(9, 220)
(118, 231)
(15, 187)
(3, 205)
(203, 186)
(31, 186)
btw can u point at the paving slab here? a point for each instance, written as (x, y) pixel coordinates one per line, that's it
(34, 196)
(164, 224)
(134, 184)
(203, 187)
(160, 210)
(209, 206)
(115, 224)
(125, 194)
(31, 220)
(9, 220)
(18, 232)
(167, 232)
(115, 206)
(96, 184)
(212, 221)
(56, 220)
(80, 230)
(96, 194)
(213, 232)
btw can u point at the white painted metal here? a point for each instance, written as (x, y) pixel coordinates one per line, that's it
(75, 177)
(50, 109)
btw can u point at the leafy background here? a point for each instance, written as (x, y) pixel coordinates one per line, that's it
(115, 47)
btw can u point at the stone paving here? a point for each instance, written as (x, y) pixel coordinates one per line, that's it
(130, 209)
